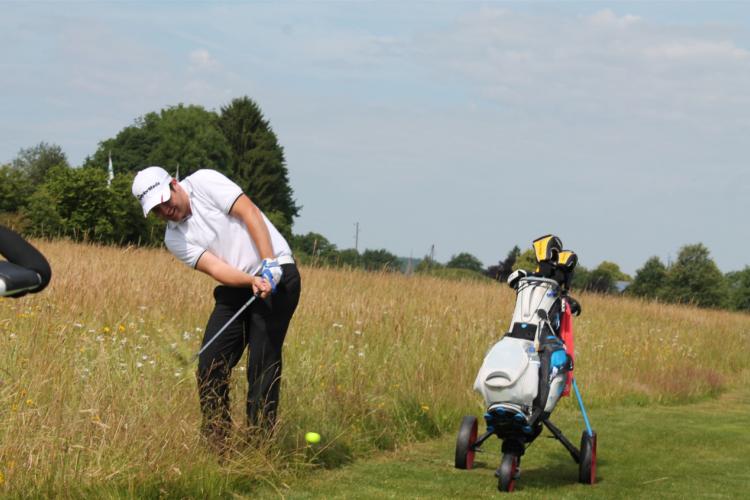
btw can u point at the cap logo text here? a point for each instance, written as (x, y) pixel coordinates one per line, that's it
(152, 186)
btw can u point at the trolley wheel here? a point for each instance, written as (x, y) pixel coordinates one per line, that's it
(508, 473)
(467, 436)
(587, 465)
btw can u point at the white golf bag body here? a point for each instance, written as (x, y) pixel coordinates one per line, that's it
(511, 369)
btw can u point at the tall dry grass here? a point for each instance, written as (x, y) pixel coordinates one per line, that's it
(94, 399)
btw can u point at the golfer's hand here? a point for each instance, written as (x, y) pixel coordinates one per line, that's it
(261, 287)
(272, 272)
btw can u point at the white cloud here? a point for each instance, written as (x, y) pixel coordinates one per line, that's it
(698, 50)
(202, 60)
(606, 18)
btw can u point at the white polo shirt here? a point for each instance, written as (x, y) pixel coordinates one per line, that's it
(211, 228)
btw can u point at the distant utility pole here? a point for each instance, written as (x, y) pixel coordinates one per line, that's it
(356, 236)
(432, 252)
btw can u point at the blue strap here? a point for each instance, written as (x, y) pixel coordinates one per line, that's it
(583, 410)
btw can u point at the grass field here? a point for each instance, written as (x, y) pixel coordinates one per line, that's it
(695, 450)
(95, 400)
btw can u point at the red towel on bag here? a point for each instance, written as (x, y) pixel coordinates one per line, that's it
(566, 334)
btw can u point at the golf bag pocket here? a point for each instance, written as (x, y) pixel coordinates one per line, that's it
(555, 364)
(509, 373)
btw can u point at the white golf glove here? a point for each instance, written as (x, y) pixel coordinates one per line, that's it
(271, 271)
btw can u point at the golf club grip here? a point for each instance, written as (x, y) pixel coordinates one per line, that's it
(20, 252)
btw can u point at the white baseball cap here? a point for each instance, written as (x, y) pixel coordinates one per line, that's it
(151, 187)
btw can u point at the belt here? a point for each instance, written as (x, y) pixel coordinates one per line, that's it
(285, 259)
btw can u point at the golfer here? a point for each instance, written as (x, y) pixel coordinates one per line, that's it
(215, 228)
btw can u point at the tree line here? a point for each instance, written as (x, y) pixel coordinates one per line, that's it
(694, 278)
(41, 194)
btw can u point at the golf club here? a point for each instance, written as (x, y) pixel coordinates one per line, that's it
(245, 306)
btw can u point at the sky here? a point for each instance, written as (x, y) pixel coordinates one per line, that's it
(621, 127)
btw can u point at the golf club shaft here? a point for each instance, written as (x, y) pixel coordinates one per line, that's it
(205, 346)
(247, 304)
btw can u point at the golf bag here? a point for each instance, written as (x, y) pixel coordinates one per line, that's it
(526, 371)
(524, 375)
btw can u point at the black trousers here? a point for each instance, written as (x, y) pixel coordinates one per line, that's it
(262, 327)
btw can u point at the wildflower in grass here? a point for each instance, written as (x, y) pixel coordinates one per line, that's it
(186, 336)
(29, 402)
(198, 329)
(121, 328)
(14, 408)
(425, 408)
(12, 335)
(99, 338)
(2, 479)
(357, 332)
(138, 364)
(106, 329)
(338, 325)
(77, 325)
(361, 354)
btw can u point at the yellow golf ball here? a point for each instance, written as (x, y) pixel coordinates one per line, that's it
(312, 437)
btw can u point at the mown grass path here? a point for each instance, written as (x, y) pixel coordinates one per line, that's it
(699, 450)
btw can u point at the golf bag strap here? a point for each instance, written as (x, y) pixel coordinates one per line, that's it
(566, 334)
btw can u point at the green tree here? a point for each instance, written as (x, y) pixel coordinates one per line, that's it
(181, 136)
(42, 214)
(427, 264)
(77, 202)
(379, 260)
(125, 214)
(503, 268)
(35, 162)
(349, 257)
(280, 223)
(581, 277)
(526, 261)
(15, 188)
(257, 160)
(649, 280)
(694, 278)
(614, 270)
(603, 278)
(465, 261)
(312, 244)
(739, 289)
